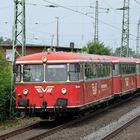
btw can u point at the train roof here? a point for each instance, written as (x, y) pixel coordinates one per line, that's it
(116, 59)
(61, 57)
(64, 57)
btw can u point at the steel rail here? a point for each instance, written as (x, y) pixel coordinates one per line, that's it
(121, 127)
(19, 131)
(63, 126)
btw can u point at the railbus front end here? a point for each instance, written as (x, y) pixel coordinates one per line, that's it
(49, 89)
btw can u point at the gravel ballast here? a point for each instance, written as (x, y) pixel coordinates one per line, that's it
(99, 134)
(87, 127)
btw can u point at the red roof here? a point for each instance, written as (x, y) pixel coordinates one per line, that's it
(61, 56)
(72, 57)
(121, 59)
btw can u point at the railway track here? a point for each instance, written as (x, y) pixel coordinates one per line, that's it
(61, 126)
(120, 128)
(19, 131)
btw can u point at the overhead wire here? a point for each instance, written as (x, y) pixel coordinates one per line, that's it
(82, 13)
(52, 4)
(137, 1)
(67, 8)
(85, 14)
(119, 14)
(112, 26)
(35, 4)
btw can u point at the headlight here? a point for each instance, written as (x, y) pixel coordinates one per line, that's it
(63, 90)
(25, 91)
(44, 59)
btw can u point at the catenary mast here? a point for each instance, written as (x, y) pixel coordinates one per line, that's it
(125, 29)
(19, 40)
(138, 40)
(96, 31)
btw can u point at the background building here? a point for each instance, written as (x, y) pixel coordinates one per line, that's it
(31, 49)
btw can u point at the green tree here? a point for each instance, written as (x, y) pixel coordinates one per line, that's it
(96, 48)
(5, 85)
(5, 41)
(118, 51)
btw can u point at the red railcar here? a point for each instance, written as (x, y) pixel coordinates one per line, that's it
(52, 83)
(137, 72)
(124, 75)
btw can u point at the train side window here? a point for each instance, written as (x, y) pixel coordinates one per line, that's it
(122, 68)
(102, 74)
(103, 70)
(134, 67)
(137, 68)
(107, 70)
(74, 71)
(127, 69)
(86, 71)
(98, 70)
(18, 73)
(115, 69)
(94, 73)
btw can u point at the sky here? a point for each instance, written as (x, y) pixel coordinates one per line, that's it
(76, 22)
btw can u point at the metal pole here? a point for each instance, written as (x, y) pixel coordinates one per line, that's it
(19, 32)
(125, 29)
(138, 40)
(23, 29)
(57, 32)
(96, 31)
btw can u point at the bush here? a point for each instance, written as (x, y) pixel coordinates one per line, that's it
(96, 48)
(5, 87)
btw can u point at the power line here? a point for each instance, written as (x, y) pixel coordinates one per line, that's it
(109, 5)
(67, 8)
(85, 14)
(81, 13)
(60, 18)
(35, 4)
(137, 1)
(119, 14)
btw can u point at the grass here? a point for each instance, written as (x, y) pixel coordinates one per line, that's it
(16, 122)
(8, 123)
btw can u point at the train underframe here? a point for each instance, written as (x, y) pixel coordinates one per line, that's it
(62, 111)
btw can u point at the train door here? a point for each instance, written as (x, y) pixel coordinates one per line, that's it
(76, 80)
(86, 83)
(138, 74)
(82, 83)
(91, 82)
(117, 79)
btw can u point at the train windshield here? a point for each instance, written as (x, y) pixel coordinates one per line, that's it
(33, 73)
(56, 72)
